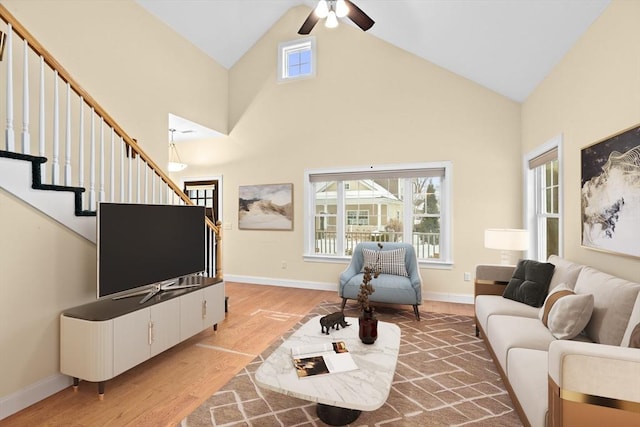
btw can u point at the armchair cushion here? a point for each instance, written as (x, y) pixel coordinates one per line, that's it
(389, 262)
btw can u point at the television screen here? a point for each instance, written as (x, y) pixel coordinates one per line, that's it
(141, 245)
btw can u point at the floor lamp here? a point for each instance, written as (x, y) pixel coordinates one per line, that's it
(506, 240)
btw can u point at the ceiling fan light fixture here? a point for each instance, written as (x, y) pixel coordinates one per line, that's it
(322, 9)
(341, 9)
(332, 20)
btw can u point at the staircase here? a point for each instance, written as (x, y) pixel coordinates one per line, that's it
(75, 155)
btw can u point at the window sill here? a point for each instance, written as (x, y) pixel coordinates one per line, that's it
(434, 265)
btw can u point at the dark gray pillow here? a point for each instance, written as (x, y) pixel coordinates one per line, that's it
(530, 282)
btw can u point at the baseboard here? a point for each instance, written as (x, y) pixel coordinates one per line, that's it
(33, 393)
(446, 297)
(431, 296)
(281, 282)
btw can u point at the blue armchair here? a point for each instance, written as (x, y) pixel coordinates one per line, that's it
(389, 288)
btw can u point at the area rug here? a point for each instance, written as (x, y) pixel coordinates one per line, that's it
(444, 377)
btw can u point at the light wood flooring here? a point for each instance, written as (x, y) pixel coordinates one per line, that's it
(165, 389)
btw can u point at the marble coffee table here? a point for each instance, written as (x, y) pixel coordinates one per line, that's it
(340, 396)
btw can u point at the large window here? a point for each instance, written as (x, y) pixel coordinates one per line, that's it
(407, 203)
(544, 201)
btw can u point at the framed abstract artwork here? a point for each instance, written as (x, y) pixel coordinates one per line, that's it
(265, 207)
(610, 195)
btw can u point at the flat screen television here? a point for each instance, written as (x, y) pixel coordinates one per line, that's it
(147, 246)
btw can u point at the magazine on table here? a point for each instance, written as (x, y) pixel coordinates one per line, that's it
(318, 359)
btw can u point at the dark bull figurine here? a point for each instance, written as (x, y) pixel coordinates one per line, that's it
(333, 320)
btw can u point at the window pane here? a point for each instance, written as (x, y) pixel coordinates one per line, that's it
(552, 236)
(426, 216)
(325, 217)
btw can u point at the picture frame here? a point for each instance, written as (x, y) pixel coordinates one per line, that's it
(265, 207)
(610, 194)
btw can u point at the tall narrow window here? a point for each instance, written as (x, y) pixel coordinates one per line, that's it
(544, 202)
(296, 59)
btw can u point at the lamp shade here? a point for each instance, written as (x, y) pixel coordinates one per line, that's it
(506, 239)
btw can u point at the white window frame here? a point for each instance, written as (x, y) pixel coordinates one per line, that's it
(533, 198)
(299, 44)
(446, 203)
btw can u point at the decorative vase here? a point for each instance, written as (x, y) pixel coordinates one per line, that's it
(368, 323)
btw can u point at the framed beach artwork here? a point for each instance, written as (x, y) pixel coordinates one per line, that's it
(610, 197)
(265, 207)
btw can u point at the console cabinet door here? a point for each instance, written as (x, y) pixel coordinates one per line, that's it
(214, 304)
(165, 325)
(191, 314)
(131, 334)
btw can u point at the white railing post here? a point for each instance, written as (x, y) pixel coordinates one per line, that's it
(55, 162)
(101, 192)
(112, 178)
(122, 165)
(92, 163)
(41, 122)
(26, 138)
(138, 167)
(67, 140)
(81, 145)
(129, 166)
(9, 133)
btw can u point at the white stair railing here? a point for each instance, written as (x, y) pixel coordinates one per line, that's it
(114, 166)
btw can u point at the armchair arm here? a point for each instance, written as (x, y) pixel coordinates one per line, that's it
(596, 369)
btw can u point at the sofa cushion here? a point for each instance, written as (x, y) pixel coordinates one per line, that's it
(530, 282)
(565, 313)
(390, 262)
(508, 332)
(565, 272)
(613, 302)
(490, 305)
(633, 321)
(528, 373)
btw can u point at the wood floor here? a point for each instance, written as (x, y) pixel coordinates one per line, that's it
(163, 390)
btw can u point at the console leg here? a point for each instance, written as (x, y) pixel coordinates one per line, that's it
(215, 327)
(101, 390)
(76, 381)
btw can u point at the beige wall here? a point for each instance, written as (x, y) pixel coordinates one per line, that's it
(139, 71)
(370, 104)
(592, 94)
(132, 64)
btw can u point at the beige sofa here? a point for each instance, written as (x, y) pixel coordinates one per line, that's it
(590, 379)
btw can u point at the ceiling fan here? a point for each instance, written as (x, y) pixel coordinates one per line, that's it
(332, 10)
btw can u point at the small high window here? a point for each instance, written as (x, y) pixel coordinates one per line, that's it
(296, 59)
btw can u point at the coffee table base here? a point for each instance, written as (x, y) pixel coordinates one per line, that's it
(336, 416)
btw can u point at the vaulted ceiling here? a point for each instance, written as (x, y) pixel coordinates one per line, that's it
(508, 46)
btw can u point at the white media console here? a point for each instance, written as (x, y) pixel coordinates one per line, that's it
(103, 339)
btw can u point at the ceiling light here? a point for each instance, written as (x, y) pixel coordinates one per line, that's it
(175, 164)
(341, 9)
(322, 9)
(332, 20)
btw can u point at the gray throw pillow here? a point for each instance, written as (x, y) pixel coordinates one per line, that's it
(530, 282)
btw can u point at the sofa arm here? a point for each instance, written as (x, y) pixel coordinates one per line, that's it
(596, 370)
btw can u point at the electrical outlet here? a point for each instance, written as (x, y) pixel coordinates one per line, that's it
(284, 264)
(467, 277)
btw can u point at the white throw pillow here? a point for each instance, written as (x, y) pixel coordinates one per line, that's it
(565, 313)
(389, 262)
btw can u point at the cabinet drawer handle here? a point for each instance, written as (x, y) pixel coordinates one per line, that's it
(150, 332)
(204, 309)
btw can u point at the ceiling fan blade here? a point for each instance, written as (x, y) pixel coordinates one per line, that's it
(360, 18)
(309, 23)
